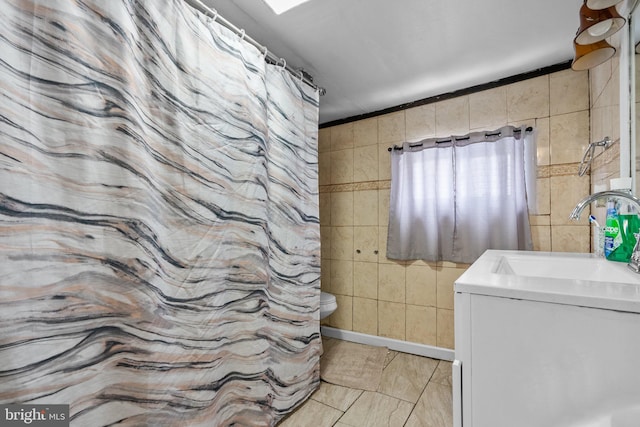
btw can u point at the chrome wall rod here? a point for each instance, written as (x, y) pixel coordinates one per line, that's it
(431, 141)
(269, 57)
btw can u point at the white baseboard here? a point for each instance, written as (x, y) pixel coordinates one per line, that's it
(390, 343)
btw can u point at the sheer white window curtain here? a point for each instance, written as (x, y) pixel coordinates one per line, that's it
(452, 200)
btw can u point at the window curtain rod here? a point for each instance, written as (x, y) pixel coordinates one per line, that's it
(468, 137)
(269, 57)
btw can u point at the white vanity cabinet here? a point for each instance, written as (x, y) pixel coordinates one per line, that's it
(545, 351)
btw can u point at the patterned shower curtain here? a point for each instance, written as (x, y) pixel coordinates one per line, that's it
(159, 233)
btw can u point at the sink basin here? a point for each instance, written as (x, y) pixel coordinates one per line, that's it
(560, 266)
(565, 278)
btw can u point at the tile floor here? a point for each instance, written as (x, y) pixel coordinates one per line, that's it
(414, 391)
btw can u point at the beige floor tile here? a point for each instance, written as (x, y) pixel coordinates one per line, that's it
(434, 409)
(312, 414)
(327, 343)
(336, 396)
(442, 375)
(406, 376)
(390, 356)
(377, 410)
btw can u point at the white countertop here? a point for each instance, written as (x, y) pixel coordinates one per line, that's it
(555, 277)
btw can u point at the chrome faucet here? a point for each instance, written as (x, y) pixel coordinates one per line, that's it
(634, 263)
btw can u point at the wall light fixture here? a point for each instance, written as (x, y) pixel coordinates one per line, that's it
(591, 55)
(596, 25)
(601, 4)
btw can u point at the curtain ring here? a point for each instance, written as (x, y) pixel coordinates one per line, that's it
(242, 34)
(265, 53)
(284, 63)
(301, 75)
(215, 15)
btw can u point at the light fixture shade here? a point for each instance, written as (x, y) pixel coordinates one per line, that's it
(601, 4)
(591, 55)
(596, 25)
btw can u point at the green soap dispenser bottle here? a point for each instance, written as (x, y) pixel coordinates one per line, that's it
(621, 231)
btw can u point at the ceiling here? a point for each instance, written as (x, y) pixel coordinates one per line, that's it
(370, 55)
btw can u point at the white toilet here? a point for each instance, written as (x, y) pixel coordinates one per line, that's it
(328, 304)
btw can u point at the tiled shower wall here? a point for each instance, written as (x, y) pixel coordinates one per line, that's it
(413, 301)
(604, 83)
(605, 120)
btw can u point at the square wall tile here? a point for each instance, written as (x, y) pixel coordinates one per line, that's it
(445, 335)
(365, 316)
(391, 282)
(365, 207)
(325, 242)
(391, 320)
(324, 200)
(541, 236)
(612, 128)
(569, 135)
(342, 277)
(342, 166)
(365, 280)
(568, 92)
(540, 220)
(365, 132)
(382, 246)
(383, 207)
(384, 162)
(342, 243)
(391, 128)
(599, 119)
(365, 243)
(543, 196)
(543, 141)
(421, 285)
(325, 275)
(528, 99)
(566, 192)
(421, 325)
(365, 163)
(445, 279)
(421, 122)
(488, 109)
(342, 318)
(342, 208)
(324, 168)
(449, 264)
(452, 116)
(611, 94)
(324, 140)
(566, 238)
(599, 77)
(342, 136)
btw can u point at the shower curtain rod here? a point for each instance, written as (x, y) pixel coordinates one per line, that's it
(269, 57)
(457, 138)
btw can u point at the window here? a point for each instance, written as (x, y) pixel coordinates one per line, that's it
(452, 200)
